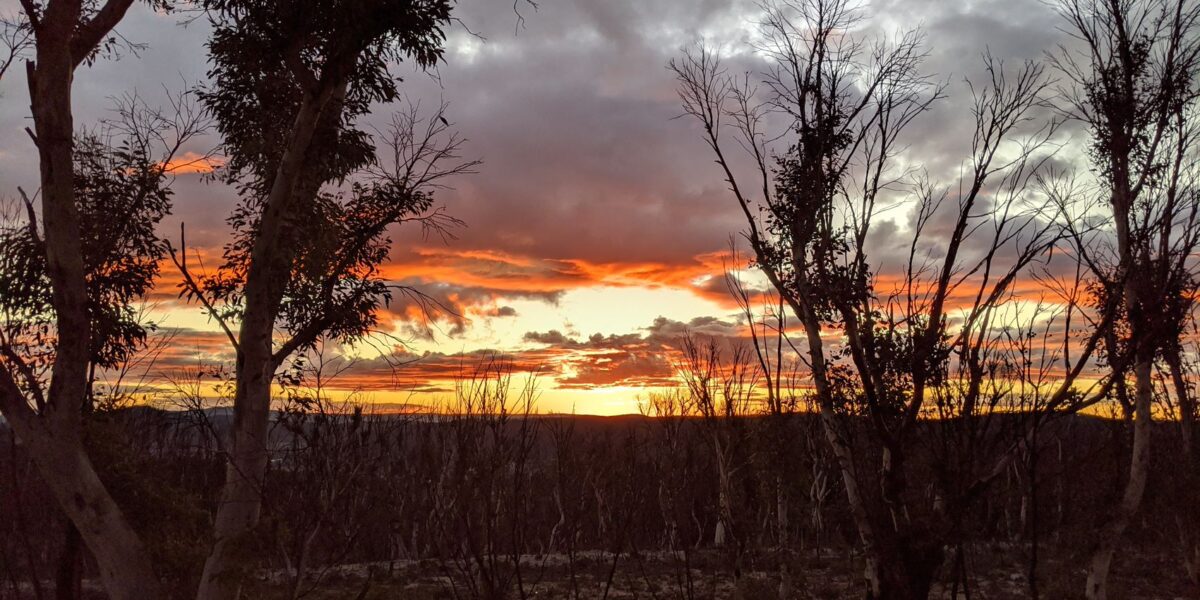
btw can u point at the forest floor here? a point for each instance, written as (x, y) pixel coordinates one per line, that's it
(996, 573)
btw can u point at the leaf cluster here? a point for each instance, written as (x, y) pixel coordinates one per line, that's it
(122, 195)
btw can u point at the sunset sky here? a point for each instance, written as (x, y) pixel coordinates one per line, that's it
(598, 227)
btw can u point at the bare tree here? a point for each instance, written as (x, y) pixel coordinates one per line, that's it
(483, 521)
(15, 39)
(721, 385)
(1132, 81)
(1180, 403)
(782, 370)
(333, 451)
(912, 349)
(670, 442)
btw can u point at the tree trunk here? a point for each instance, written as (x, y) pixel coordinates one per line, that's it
(1144, 352)
(269, 270)
(54, 437)
(68, 580)
(781, 516)
(1189, 528)
(724, 500)
(241, 499)
(874, 573)
(907, 571)
(124, 565)
(844, 455)
(1131, 499)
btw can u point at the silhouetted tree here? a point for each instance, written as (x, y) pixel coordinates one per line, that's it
(289, 81)
(15, 39)
(67, 33)
(123, 173)
(484, 501)
(721, 385)
(909, 350)
(1181, 405)
(1133, 82)
(334, 452)
(71, 273)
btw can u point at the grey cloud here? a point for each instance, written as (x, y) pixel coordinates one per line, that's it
(573, 113)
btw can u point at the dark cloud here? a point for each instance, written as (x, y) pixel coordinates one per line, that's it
(502, 311)
(670, 331)
(636, 359)
(588, 176)
(572, 110)
(553, 338)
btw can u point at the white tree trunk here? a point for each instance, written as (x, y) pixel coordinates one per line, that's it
(269, 269)
(1131, 499)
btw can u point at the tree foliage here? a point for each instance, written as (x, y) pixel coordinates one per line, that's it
(122, 194)
(336, 238)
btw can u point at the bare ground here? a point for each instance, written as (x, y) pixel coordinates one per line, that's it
(996, 573)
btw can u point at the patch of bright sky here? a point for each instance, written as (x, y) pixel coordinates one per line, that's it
(731, 35)
(606, 310)
(464, 46)
(610, 400)
(177, 315)
(1019, 313)
(615, 310)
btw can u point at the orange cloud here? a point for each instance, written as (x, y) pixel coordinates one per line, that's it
(475, 283)
(501, 272)
(191, 162)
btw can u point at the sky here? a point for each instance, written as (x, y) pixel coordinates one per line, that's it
(597, 228)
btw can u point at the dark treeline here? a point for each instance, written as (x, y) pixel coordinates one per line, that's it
(491, 502)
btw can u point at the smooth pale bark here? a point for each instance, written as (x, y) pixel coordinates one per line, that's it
(843, 454)
(241, 500)
(895, 569)
(1189, 529)
(1131, 499)
(124, 565)
(724, 494)
(270, 265)
(1121, 201)
(54, 437)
